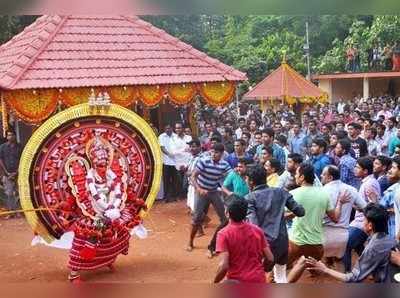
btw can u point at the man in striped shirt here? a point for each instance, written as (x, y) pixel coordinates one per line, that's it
(206, 179)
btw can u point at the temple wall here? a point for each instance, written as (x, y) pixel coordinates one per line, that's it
(346, 89)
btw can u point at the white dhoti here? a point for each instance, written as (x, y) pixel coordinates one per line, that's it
(190, 197)
(335, 241)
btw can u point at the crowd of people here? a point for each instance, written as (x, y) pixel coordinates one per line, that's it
(320, 188)
(379, 58)
(292, 191)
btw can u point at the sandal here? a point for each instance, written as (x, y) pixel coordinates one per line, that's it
(189, 248)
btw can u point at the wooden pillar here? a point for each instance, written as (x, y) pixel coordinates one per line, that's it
(365, 88)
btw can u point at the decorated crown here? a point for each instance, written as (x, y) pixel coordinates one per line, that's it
(99, 149)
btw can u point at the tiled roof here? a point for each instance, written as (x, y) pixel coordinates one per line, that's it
(284, 81)
(75, 51)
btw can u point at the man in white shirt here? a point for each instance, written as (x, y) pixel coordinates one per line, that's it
(341, 105)
(336, 234)
(238, 131)
(181, 153)
(170, 174)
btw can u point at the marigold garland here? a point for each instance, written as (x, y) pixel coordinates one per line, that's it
(290, 100)
(151, 95)
(217, 93)
(181, 94)
(123, 96)
(4, 115)
(32, 106)
(74, 96)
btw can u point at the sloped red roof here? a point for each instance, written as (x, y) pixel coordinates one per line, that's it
(75, 51)
(284, 81)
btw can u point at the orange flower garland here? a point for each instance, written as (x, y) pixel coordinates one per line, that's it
(217, 93)
(32, 106)
(74, 96)
(181, 94)
(123, 96)
(151, 95)
(290, 100)
(4, 116)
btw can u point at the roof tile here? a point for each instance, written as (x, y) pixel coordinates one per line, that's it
(73, 51)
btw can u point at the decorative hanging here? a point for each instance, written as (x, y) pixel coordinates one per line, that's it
(181, 94)
(323, 98)
(74, 96)
(290, 100)
(306, 100)
(151, 95)
(122, 95)
(217, 93)
(4, 115)
(262, 104)
(32, 106)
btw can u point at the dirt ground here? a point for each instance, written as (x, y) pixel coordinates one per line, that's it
(161, 258)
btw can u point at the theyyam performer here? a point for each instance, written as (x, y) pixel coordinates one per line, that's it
(88, 177)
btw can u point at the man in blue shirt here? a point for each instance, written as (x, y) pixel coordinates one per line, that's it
(239, 152)
(234, 184)
(297, 141)
(346, 163)
(206, 179)
(319, 159)
(268, 135)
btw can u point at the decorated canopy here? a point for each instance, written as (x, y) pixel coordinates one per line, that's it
(59, 61)
(285, 83)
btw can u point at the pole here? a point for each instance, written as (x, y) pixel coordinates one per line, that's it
(307, 48)
(237, 101)
(17, 131)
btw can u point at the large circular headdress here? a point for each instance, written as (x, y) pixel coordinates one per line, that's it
(68, 137)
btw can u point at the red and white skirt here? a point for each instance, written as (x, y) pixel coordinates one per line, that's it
(106, 253)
